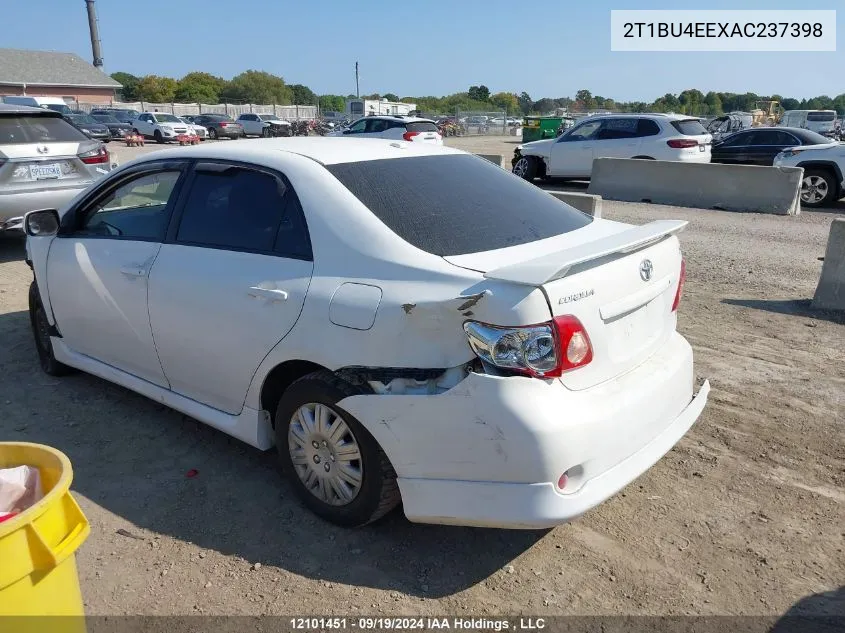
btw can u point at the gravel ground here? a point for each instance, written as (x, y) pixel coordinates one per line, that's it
(745, 516)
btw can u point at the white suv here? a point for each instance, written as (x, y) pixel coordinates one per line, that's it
(647, 136)
(824, 166)
(400, 128)
(160, 126)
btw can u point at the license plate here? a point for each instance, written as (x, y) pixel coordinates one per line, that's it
(44, 172)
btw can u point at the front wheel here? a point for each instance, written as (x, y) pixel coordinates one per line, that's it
(336, 467)
(818, 189)
(41, 332)
(526, 167)
(265, 132)
(212, 134)
(158, 137)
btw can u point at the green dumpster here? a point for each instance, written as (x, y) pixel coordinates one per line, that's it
(540, 127)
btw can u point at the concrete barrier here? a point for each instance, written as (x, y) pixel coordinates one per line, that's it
(496, 159)
(586, 202)
(830, 293)
(704, 185)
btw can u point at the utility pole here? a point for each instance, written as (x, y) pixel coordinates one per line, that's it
(357, 90)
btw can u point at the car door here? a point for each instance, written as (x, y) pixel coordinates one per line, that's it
(356, 129)
(230, 281)
(769, 144)
(617, 138)
(99, 263)
(248, 123)
(732, 149)
(376, 128)
(572, 153)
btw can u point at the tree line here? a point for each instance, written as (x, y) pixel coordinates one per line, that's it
(254, 86)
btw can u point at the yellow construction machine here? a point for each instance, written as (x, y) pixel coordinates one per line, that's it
(766, 113)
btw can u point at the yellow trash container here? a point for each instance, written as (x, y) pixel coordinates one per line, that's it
(37, 547)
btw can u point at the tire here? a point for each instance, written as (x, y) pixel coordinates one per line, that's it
(818, 188)
(376, 495)
(212, 134)
(526, 167)
(158, 137)
(40, 332)
(265, 132)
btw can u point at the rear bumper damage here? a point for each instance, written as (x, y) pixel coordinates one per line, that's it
(490, 451)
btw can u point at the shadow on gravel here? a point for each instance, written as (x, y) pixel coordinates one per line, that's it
(817, 613)
(798, 307)
(12, 248)
(131, 457)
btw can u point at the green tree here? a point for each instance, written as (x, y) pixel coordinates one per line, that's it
(525, 102)
(584, 100)
(544, 105)
(302, 95)
(129, 83)
(790, 104)
(332, 103)
(506, 101)
(479, 93)
(692, 101)
(156, 89)
(713, 103)
(391, 97)
(199, 87)
(257, 86)
(839, 104)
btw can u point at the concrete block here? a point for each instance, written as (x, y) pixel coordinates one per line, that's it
(496, 159)
(704, 185)
(586, 202)
(830, 293)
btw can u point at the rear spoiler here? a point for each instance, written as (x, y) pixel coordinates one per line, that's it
(546, 268)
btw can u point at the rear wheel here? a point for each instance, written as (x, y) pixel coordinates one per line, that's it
(336, 467)
(41, 332)
(818, 189)
(526, 167)
(212, 134)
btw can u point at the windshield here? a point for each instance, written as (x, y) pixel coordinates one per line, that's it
(37, 129)
(82, 118)
(267, 117)
(218, 117)
(105, 118)
(166, 118)
(821, 116)
(813, 138)
(455, 205)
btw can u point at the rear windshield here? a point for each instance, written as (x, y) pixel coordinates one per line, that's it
(37, 129)
(689, 127)
(454, 205)
(421, 126)
(218, 117)
(821, 116)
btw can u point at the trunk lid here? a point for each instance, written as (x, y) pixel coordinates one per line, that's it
(618, 280)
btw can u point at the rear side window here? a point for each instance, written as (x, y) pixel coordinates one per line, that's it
(647, 127)
(821, 116)
(421, 126)
(454, 205)
(242, 209)
(37, 129)
(689, 127)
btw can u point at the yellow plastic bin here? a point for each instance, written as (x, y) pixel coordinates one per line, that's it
(37, 548)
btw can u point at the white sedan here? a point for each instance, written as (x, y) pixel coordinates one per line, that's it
(401, 320)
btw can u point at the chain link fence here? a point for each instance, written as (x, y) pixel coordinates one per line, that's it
(286, 112)
(472, 123)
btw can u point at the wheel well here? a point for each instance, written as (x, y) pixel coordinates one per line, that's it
(643, 157)
(279, 379)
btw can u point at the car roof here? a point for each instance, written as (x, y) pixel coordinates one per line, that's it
(324, 150)
(398, 117)
(643, 115)
(8, 108)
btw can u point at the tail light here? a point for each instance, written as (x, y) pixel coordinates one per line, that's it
(682, 143)
(223, 124)
(541, 351)
(681, 279)
(96, 156)
(409, 136)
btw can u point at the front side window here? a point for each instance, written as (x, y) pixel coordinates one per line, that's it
(583, 132)
(138, 209)
(166, 118)
(612, 129)
(358, 127)
(243, 209)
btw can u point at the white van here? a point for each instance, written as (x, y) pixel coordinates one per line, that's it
(820, 121)
(51, 103)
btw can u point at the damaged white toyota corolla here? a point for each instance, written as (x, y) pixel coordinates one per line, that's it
(403, 321)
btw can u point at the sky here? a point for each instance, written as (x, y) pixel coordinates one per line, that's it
(548, 49)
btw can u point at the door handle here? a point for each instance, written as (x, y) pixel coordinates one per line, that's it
(272, 294)
(133, 271)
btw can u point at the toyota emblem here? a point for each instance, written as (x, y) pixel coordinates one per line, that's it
(43, 149)
(646, 269)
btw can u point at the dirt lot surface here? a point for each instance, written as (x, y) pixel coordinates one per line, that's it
(745, 516)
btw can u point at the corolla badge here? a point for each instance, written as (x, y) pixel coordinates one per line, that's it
(577, 296)
(646, 269)
(43, 149)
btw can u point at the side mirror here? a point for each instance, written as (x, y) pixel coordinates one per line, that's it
(347, 131)
(41, 223)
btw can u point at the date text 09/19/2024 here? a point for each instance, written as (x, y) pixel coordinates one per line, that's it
(427, 623)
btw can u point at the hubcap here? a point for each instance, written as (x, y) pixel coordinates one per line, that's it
(325, 454)
(521, 167)
(813, 189)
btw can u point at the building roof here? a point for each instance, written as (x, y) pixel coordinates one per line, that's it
(48, 68)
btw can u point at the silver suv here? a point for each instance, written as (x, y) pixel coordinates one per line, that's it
(44, 162)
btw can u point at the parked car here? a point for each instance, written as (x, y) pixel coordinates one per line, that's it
(396, 127)
(161, 126)
(514, 376)
(125, 115)
(118, 129)
(760, 145)
(219, 126)
(824, 172)
(44, 162)
(195, 128)
(647, 136)
(263, 125)
(50, 103)
(89, 126)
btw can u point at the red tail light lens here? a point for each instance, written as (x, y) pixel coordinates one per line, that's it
(409, 136)
(223, 124)
(97, 156)
(545, 350)
(681, 279)
(682, 143)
